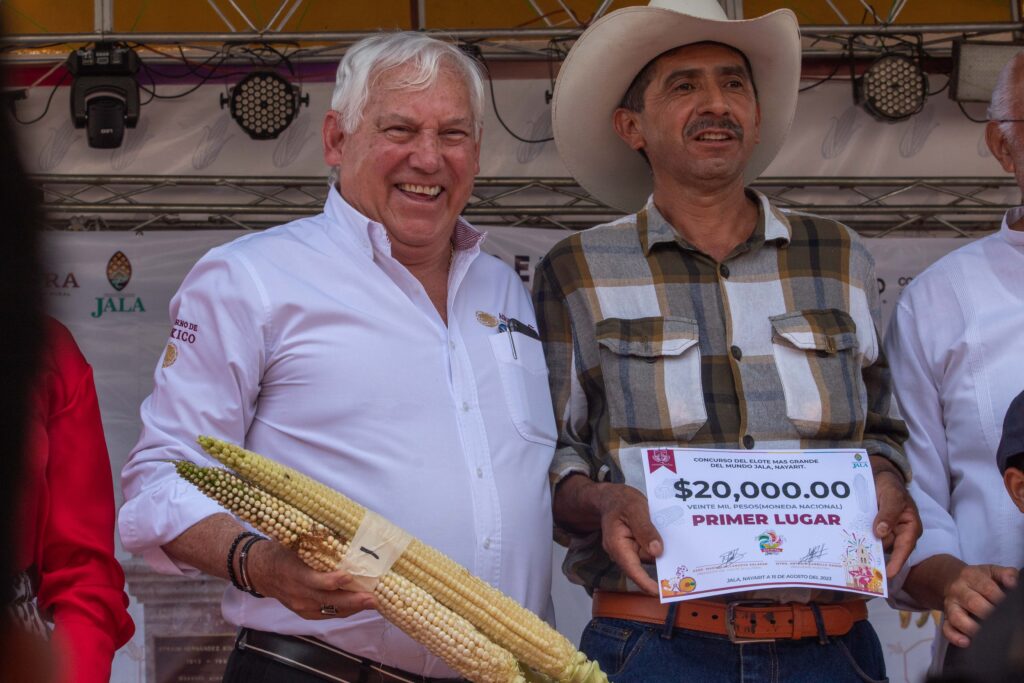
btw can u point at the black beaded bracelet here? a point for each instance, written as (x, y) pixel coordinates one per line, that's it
(243, 566)
(231, 558)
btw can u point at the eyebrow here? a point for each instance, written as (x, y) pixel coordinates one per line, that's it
(388, 119)
(728, 70)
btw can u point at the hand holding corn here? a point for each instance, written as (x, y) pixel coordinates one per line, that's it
(477, 630)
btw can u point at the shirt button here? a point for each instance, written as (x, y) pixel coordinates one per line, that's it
(487, 543)
(736, 353)
(465, 407)
(480, 472)
(723, 270)
(748, 441)
(451, 345)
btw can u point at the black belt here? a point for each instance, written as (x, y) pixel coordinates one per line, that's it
(317, 657)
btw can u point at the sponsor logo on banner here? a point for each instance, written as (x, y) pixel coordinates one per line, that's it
(661, 457)
(59, 284)
(119, 274)
(770, 543)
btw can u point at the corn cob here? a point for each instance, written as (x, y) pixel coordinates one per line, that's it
(498, 616)
(401, 602)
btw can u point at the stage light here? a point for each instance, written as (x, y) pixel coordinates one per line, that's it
(104, 92)
(264, 104)
(893, 88)
(976, 65)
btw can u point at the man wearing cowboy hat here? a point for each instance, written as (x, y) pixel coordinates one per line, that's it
(707, 318)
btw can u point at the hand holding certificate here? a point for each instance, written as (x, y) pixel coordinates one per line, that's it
(746, 520)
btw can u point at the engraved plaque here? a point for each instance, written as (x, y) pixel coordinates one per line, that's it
(191, 659)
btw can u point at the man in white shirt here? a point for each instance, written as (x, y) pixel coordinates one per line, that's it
(954, 348)
(375, 348)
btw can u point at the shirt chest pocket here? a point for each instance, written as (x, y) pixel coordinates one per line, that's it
(816, 353)
(651, 369)
(524, 379)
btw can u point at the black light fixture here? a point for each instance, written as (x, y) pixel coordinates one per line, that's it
(976, 67)
(893, 88)
(104, 92)
(264, 103)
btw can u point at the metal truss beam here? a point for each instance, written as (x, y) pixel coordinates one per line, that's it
(872, 206)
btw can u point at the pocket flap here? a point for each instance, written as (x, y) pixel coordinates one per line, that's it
(647, 337)
(826, 329)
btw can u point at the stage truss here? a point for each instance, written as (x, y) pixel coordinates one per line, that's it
(872, 206)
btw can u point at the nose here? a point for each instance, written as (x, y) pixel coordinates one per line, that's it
(714, 101)
(426, 152)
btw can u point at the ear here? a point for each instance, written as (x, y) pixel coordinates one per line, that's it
(1013, 480)
(999, 145)
(757, 122)
(627, 126)
(334, 139)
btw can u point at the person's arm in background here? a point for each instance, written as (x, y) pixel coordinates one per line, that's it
(80, 580)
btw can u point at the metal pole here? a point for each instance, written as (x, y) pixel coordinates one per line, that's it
(103, 15)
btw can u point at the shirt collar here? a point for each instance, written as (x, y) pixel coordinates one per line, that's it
(1014, 237)
(371, 235)
(772, 225)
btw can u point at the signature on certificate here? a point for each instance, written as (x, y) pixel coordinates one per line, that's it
(730, 557)
(813, 554)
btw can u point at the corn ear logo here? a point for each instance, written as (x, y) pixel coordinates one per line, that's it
(170, 355)
(119, 271)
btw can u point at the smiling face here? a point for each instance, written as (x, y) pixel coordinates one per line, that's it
(700, 120)
(411, 161)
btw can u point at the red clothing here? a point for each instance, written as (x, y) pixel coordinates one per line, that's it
(67, 521)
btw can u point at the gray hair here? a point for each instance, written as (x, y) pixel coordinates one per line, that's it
(370, 58)
(363, 64)
(1006, 91)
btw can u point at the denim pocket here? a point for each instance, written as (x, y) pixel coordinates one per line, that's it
(613, 643)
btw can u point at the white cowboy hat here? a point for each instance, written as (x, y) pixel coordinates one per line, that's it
(609, 55)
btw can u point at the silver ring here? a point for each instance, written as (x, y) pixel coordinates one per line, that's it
(328, 610)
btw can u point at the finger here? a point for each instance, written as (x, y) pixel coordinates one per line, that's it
(891, 502)
(623, 551)
(339, 579)
(1006, 576)
(902, 544)
(961, 623)
(644, 531)
(954, 636)
(334, 604)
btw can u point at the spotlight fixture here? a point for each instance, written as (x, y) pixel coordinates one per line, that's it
(976, 66)
(104, 92)
(893, 88)
(264, 104)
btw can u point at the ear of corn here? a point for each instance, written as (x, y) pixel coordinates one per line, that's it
(404, 604)
(498, 616)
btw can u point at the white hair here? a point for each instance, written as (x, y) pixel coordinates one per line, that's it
(422, 58)
(1006, 93)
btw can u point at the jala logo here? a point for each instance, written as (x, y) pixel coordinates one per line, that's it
(119, 274)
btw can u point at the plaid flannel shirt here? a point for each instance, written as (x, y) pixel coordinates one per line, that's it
(649, 341)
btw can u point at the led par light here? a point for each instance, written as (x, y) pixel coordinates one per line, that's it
(893, 88)
(263, 104)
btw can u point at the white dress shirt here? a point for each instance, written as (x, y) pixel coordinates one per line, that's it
(310, 344)
(956, 347)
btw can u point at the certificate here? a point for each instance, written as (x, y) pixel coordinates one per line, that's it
(737, 520)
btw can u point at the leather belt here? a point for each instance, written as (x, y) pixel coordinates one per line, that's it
(743, 621)
(317, 657)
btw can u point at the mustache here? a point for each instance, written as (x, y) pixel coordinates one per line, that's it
(706, 122)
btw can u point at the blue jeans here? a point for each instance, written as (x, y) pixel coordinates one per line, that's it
(637, 652)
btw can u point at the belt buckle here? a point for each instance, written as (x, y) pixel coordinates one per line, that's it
(730, 621)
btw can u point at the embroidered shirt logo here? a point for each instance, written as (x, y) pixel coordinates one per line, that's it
(170, 355)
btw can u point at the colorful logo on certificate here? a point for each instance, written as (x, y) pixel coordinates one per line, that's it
(770, 543)
(661, 457)
(680, 584)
